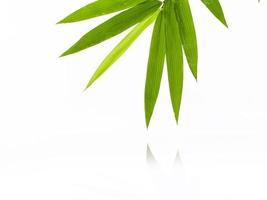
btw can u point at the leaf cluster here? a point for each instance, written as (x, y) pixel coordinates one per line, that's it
(173, 35)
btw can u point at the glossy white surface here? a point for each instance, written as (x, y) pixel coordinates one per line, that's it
(59, 143)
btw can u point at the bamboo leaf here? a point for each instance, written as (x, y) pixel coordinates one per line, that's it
(174, 57)
(187, 33)
(114, 26)
(120, 49)
(215, 7)
(99, 8)
(155, 66)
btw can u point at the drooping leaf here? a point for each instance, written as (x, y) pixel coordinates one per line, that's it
(215, 7)
(99, 8)
(174, 57)
(114, 26)
(187, 33)
(155, 66)
(118, 51)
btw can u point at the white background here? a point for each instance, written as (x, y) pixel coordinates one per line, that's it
(57, 142)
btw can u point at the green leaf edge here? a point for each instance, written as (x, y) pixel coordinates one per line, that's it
(121, 48)
(155, 67)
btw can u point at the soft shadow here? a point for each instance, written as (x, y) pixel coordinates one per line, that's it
(150, 158)
(178, 160)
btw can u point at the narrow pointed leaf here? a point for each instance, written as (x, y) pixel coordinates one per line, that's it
(187, 33)
(174, 57)
(114, 26)
(120, 49)
(99, 8)
(215, 7)
(155, 66)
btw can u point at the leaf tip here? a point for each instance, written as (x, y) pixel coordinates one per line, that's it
(176, 119)
(62, 55)
(85, 89)
(65, 54)
(147, 123)
(148, 117)
(60, 22)
(176, 115)
(223, 21)
(89, 84)
(225, 24)
(195, 75)
(64, 21)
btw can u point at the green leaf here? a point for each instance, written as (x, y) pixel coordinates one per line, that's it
(118, 51)
(99, 8)
(187, 33)
(114, 26)
(215, 7)
(155, 66)
(174, 57)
